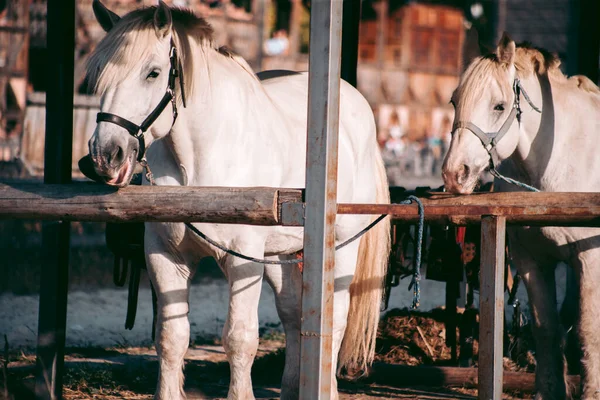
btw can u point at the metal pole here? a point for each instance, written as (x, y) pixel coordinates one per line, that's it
(491, 307)
(316, 369)
(350, 29)
(57, 169)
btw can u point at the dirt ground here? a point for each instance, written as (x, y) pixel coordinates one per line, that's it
(407, 338)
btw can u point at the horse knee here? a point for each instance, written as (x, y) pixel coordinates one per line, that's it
(172, 339)
(240, 337)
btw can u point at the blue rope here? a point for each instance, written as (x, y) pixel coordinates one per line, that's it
(415, 283)
(498, 175)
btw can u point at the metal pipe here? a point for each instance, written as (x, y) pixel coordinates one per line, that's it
(316, 369)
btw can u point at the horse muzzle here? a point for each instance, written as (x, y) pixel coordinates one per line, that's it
(115, 169)
(460, 180)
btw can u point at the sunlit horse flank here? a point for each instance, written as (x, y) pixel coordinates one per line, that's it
(235, 131)
(555, 150)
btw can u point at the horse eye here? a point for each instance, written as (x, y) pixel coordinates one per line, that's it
(152, 75)
(499, 107)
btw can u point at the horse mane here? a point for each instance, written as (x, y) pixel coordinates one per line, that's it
(133, 38)
(528, 60)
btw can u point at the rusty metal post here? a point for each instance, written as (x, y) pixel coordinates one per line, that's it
(491, 307)
(316, 369)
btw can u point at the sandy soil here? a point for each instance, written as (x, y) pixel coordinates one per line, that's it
(97, 317)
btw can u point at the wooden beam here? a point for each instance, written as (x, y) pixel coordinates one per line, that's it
(491, 306)
(96, 202)
(551, 209)
(414, 376)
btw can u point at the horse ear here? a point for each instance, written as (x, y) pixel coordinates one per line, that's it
(162, 19)
(506, 50)
(106, 18)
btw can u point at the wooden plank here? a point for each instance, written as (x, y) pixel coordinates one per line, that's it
(491, 306)
(413, 376)
(96, 202)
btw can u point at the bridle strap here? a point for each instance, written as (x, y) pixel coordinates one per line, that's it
(164, 102)
(137, 131)
(490, 139)
(132, 128)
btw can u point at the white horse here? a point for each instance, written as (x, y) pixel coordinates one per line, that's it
(553, 149)
(235, 130)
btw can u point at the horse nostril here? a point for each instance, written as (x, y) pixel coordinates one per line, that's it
(463, 173)
(116, 157)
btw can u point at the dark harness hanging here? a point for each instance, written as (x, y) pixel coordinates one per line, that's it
(137, 131)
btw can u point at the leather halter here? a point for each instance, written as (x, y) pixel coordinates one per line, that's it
(137, 131)
(490, 139)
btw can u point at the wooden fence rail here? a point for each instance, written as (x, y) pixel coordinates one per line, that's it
(262, 205)
(273, 206)
(96, 202)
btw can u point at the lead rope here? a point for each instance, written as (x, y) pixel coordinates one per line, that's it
(498, 175)
(415, 283)
(416, 279)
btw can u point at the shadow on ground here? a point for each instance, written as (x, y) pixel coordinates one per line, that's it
(100, 373)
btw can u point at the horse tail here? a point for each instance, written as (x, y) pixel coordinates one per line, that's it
(358, 346)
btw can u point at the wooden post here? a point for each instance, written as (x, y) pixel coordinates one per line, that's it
(294, 36)
(316, 330)
(491, 306)
(258, 11)
(382, 16)
(57, 169)
(588, 39)
(350, 29)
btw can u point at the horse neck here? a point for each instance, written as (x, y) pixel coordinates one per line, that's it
(224, 118)
(547, 144)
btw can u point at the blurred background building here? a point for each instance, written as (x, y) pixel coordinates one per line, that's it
(411, 54)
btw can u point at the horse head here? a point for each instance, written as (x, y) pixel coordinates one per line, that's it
(133, 69)
(486, 113)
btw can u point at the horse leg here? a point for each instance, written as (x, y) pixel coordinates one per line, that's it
(286, 282)
(345, 266)
(240, 333)
(589, 325)
(171, 280)
(541, 289)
